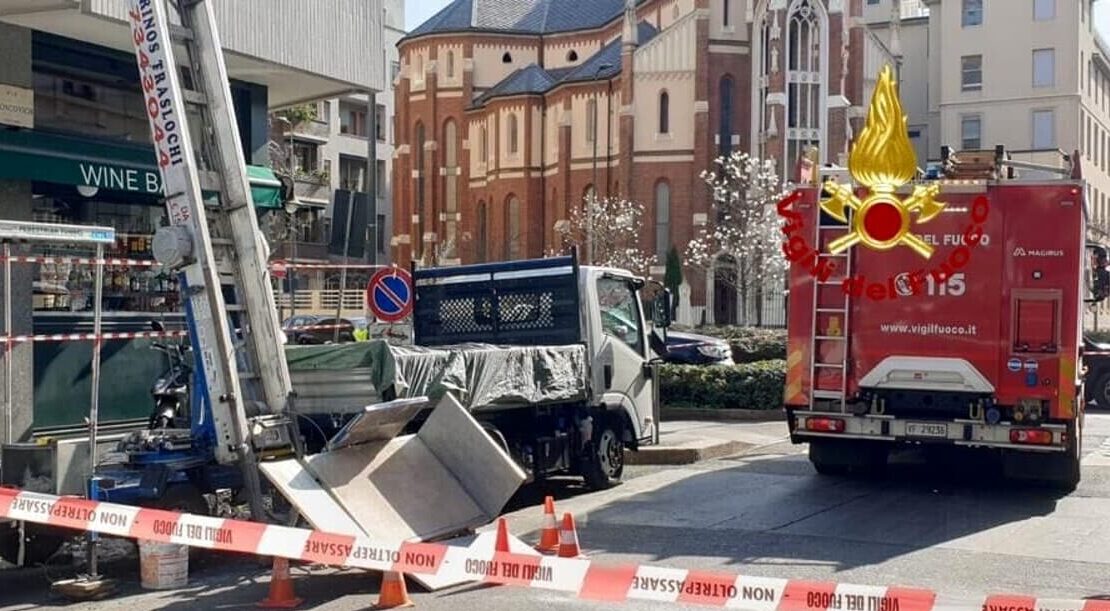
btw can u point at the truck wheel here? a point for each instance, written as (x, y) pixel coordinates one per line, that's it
(605, 464)
(835, 457)
(1101, 391)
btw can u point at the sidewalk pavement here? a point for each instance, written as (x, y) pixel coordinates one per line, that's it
(685, 442)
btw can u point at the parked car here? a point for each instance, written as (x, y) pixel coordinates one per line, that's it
(694, 349)
(314, 329)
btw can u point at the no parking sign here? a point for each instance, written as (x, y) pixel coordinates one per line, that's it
(389, 294)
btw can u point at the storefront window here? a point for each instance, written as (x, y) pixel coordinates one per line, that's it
(134, 284)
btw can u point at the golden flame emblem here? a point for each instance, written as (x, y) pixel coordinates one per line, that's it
(882, 159)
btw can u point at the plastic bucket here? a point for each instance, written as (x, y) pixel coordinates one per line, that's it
(163, 566)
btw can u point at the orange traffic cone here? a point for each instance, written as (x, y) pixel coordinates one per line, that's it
(549, 537)
(568, 539)
(395, 593)
(281, 588)
(502, 543)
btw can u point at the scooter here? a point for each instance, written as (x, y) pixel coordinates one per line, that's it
(171, 391)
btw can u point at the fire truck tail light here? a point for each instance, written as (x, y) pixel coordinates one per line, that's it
(825, 425)
(1031, 437)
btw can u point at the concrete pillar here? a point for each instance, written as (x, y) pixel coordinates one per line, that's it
(15, 204)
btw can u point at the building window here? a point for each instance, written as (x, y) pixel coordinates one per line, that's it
(352, 173)
(451, 64)
(513, 135)
(379, 231)
(806, 43)
(572, 56)
(971, 128)
(306, 157)
(972, 12)
(664, 113)
(507, 58)
(394, 70)
(420, 68)
(971, 72)
(1044, 129)
(380, 179)
(662, 219)
(514, 239)
(483, 146)
(482, 232)
(726, 15)
(1044, 67)
(762, 114)
(323, 111)
(724, 134)
(591, 120)
(1044, 10)
(379, 122)
(352, 121)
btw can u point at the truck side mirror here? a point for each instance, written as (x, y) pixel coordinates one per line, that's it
(1101, 284)
(1100, 276)
(661, 310)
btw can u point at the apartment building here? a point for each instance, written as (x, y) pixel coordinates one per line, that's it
(75, 149)
(329, 152)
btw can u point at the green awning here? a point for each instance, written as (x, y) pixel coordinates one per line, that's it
(112, 166)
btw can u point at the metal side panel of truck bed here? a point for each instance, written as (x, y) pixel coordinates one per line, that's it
(448, 478)
(342, 379)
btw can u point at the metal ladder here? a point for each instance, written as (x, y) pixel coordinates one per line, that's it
(838, 334)
(214, 244)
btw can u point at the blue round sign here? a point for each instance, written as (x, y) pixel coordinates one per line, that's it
(1014, 364)
(389, 294)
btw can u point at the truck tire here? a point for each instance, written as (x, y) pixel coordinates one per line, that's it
(837, 457)
(1101, 391)
(604, 466)
(1060, 471)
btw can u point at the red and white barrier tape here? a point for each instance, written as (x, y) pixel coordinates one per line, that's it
(88, 337)
(52, 260)
(48, 260)
(580, 577)
(336, 266)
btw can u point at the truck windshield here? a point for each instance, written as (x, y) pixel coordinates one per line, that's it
(620, 312)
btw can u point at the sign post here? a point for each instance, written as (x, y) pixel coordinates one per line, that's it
(389, 294)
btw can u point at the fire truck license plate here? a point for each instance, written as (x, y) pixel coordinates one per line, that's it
(926, 429)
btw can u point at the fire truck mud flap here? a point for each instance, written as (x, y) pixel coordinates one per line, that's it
(448, 478)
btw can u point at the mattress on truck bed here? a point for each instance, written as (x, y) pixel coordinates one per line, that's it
(482, 377)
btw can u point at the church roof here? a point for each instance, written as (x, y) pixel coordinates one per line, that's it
(533, 79)
(521, 16)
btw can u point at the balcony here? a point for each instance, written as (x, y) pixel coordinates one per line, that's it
(322, 302)
(293, 55)
(315, 187)
(313, 251)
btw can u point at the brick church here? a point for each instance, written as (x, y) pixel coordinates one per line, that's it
(496, 135)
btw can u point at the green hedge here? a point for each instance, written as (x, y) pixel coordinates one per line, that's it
(1099, 336)
(750, 344)
(746, 386)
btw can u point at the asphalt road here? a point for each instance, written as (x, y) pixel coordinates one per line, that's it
(954, 528)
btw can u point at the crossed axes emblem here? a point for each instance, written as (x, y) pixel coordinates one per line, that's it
(882, 202)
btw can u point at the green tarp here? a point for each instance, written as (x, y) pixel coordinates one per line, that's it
(480, 376)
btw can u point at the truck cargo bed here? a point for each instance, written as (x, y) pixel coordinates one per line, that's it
(343, 379)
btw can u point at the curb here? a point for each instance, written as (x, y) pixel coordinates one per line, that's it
(721, 415)
(663, 455)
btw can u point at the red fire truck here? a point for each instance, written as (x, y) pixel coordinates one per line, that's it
(978, 344)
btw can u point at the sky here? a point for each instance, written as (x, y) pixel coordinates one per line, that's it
(418, 11)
